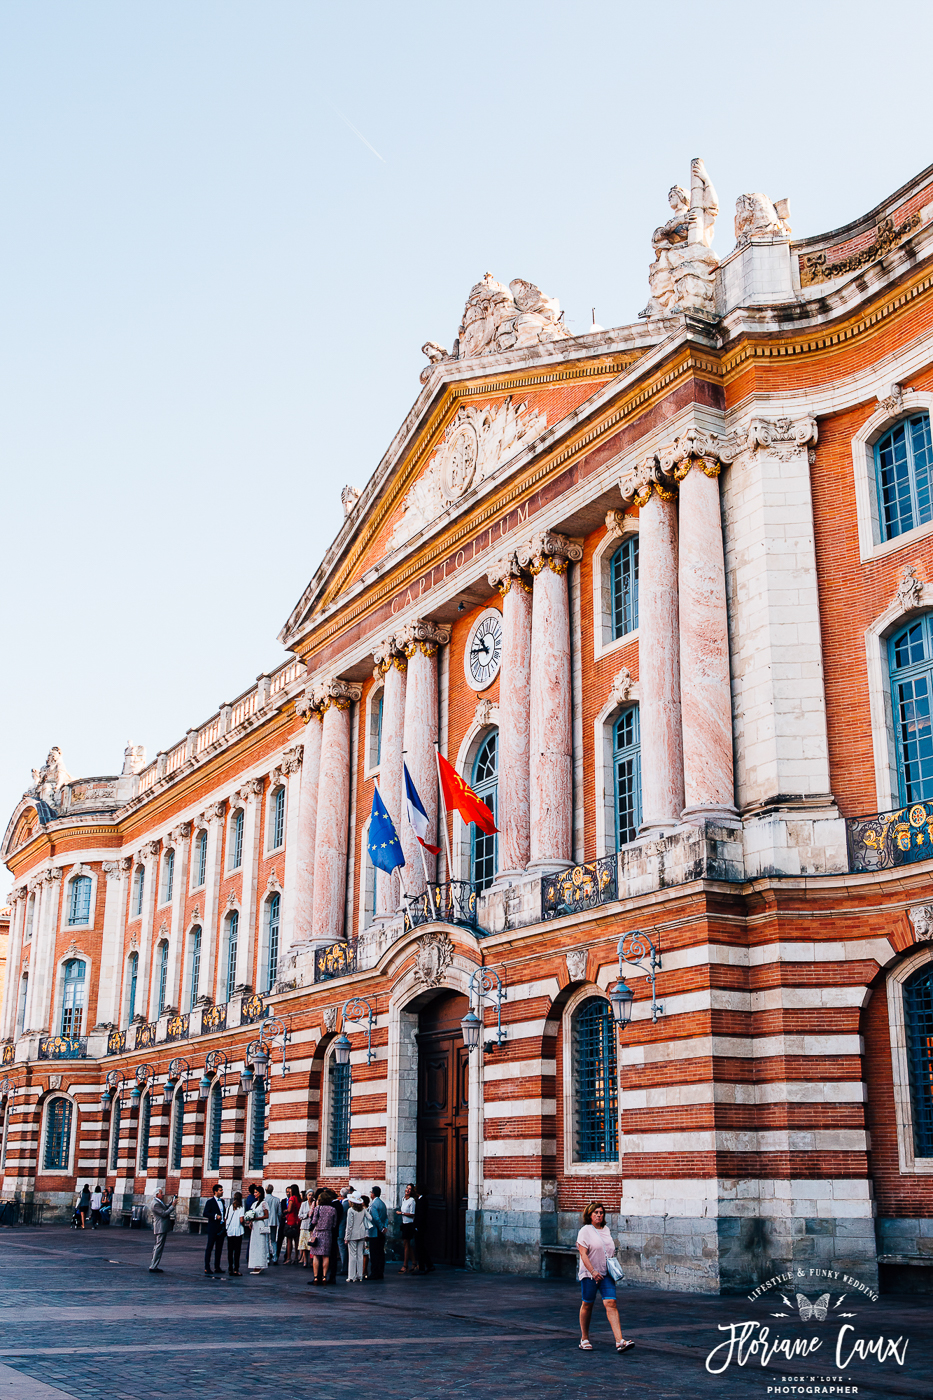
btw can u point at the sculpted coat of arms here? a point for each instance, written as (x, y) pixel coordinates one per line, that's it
(435, 954)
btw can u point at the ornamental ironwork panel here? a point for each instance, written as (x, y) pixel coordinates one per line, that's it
(453, 902)
(8, 1053)
(888, 839)
(581, 887)
(116, 1042)
(252, 1009)
(177, 1028)
(339, 960)
(62, 1047)
(214, 1018)
(146, 1035)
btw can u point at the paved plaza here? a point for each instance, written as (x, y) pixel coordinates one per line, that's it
(86, 1321)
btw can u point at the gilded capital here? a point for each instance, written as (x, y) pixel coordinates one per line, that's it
(340, 694)
(387, 654)
(695, 448)
(422, 635)
(644, 479)
(548, 550)
(506, 572)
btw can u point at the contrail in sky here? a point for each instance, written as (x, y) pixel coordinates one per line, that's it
(353, 129)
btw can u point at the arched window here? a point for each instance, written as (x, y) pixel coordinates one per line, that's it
(163, 977)
(194, 964)
(58, 1135)
(626, 767)
(272, 941)
(116, 1114)
(200, 860)
(216, 1123)
(132, 969)
(277, 819)
(911, 665)
(236, 839)
(338, 1145)
(233, 928)
(140, 884)
(485, 783)
(178, 1128)
(168, 875)
(145, 1120)
(375, 729)
(73, 990)
(21, 1009)
(918, 1020)
(30, 917)
(623, 583)
(595, 1082)
(903, 462)
(257, 1135)
(79, 903)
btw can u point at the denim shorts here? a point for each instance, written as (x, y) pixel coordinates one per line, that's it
(589, 1287)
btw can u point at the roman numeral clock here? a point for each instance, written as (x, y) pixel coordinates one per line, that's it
(483, 655)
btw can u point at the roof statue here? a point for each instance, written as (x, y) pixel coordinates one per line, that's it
(757, 217)
(682, 276)
(498, 318)
(50, 778)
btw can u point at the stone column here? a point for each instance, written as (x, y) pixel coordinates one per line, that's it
(251, 792)
(420, 640)
(303, 895)
(110, 981)
(392, 665)
(514, 717)
(178, 991)
(20, 899)
(210, 985)
(546, 556)
(290, 771)
(330, 845)
(42, 966)
(662, 783)
(706, 700)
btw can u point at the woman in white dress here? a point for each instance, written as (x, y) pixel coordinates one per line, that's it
(259, 1238)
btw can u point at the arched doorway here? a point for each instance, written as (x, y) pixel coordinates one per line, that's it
(443, 1133)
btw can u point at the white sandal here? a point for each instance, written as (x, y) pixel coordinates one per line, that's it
(585, 1345)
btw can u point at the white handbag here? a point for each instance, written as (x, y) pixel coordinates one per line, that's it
(616, 1272)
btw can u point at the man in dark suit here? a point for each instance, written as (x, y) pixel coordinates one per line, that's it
(214, 1215)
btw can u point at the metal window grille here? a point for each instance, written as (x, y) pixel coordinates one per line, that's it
(115, 1116)
(79, 908)
(168, 875)
(178, 1129)
(911, 653)
(484, 849)
(278, 819)
(58, 1135)
(145, 1119)
(595, 1082)
(134, 978)
(626, 763)
(623, 578)
(257, 1137)
(21, 1012)
(918, 1019)
(163, 975)
(272, 970)
(903, 459)
(233, 925)
(140, 885)
(339, 1114)
(217, 1108)
(73, 997)
(202, 858)
(194, 971)
(236, 854)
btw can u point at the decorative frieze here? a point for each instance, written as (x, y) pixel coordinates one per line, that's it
(816, 267)
(548, 550)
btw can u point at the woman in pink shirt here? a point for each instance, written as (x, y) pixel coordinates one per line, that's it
(596, 1246)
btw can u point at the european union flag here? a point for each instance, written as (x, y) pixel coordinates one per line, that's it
(385, 849)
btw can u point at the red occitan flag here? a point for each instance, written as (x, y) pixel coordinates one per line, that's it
(460, 795)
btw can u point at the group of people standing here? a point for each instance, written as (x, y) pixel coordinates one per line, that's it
(93, 1208)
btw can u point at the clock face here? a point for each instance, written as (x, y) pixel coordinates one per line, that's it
(483, 655)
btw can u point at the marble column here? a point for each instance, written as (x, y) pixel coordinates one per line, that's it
(307, 819)
(391, 664)
(662, 784)
(706, 699)
(251, 793)
(19, 900)
(546, 557)
(331, 833)
(289, 772)
(110, 981)
(420, 640)
(514, 717)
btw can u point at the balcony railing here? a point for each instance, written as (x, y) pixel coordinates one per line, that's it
(888, 839)
(338, 960)
(116, 1042)
(62, 1047)
(581, 887)
(146, 1035)
(9, 1054)
(214, 1018)
(177, 1028)
(252, 1009)
(453, 902)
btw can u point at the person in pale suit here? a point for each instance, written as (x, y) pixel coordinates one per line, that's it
(275, 1219)
(163, 1215)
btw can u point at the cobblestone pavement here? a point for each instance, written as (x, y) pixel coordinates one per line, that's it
(84, 1320)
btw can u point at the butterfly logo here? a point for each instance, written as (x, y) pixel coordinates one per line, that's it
(815, 1312)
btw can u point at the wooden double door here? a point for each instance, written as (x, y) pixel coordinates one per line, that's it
(443, 1135)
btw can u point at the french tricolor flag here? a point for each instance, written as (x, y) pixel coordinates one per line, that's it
(416, 813)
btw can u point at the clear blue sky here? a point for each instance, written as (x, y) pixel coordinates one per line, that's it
(214, 292)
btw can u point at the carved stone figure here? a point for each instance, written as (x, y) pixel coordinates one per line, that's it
(910, 590)
(348, 499)
(576, 964)
(134, 759)
(757, 217)
(48, 779)
(330, 1019)
(921, 916)
(621, 686)
(498, 318)
(892, 401)
(435, 954)
(683, 274)
(435, 354)
(664, 238)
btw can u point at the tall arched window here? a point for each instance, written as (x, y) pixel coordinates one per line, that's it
(194, 964)
(623, 583)
(485, 783)
(903, 460)
(163, 977)
(277, 823)
(178, 1128)
(73, 990)
(216, 1126)
(233, 928)
(918, 1020)
(132, 971)
(116, 1114)
(30, 917)
(79, 902)
(138, 888)
(257, 1136)
(145, 1121)
(58, 1135)
(626, 767)
(21, 1008)
(374, 757)
(911, 665)
(200, 860)
(168, 875)
(272, 941)
(595, 1082)
(236, 839)
(338, 1145)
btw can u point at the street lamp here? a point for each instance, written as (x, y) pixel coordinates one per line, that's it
(357, 1009)
(174, 1074)
(488, 988)
(7, 1090)
(632, 949)
(215, 1058)
(113, 1079)
(259, 1052)
(143, 1074)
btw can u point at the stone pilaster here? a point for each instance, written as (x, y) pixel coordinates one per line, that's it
(330, 846)
(419, 640)
(514, 716)
(392, 665)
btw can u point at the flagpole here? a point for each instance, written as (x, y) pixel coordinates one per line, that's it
(440, 791)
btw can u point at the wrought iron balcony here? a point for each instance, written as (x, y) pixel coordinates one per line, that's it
(177, 1028)
(338, 960)
(146, 1035)
(453, 902)
(116, 1042)
(887, 839)
(252, 1009)
(214, 1018)
(581, 887)
(9, 1053)
(62, 1047)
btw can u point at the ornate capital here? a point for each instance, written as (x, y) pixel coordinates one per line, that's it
(694, 448)
(506, 572)
(645, 478)
(291, 759)
(305, 707)
(54, 874)
(214, 813)
(387, 654)
(784, 437)
(148, 851)
(615, 524)
(547, 550)
(20, 892)
(177, 834)
(340, 694)
(421, 634)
